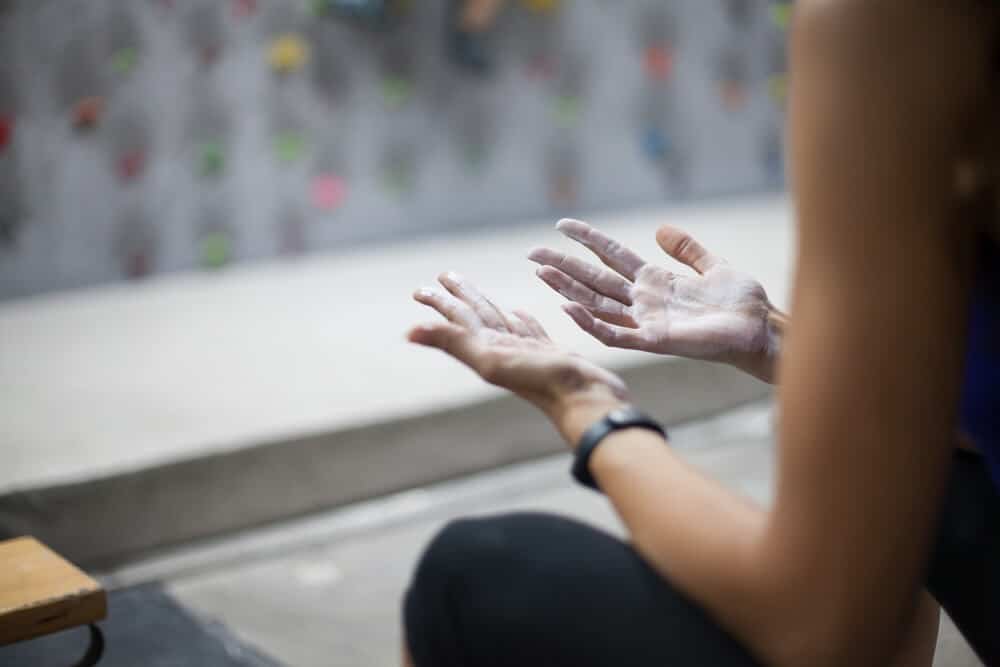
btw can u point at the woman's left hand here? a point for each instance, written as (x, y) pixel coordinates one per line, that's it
(513, 352)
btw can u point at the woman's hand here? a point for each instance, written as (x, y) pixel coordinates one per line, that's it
(513, 352)
(720, 314)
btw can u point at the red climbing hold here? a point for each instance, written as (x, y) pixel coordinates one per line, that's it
(87, 112)
(131, 165)
(6, 131)
(659, 62)
(244, 8)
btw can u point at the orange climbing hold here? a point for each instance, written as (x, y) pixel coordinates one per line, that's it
(87, 112)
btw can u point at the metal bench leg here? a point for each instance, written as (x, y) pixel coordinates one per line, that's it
(96, 649)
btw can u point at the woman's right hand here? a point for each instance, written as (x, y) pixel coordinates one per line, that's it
(719, 314)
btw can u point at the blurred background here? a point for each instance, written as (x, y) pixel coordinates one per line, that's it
(151, 136)
(212, 216)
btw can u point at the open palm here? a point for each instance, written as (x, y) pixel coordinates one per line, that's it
(512, 350)
(718, 314)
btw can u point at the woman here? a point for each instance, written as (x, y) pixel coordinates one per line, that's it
(894, 156)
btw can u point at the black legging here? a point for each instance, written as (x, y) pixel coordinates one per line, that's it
(534, 589)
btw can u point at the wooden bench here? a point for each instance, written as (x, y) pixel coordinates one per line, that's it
(42, 593)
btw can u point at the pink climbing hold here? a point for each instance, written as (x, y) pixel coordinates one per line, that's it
(328, 192)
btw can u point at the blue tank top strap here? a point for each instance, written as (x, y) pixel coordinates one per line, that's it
(980, 410)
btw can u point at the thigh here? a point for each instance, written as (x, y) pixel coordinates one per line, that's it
(535, 589)
(964, 574)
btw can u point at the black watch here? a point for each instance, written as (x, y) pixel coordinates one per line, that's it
(626, 417)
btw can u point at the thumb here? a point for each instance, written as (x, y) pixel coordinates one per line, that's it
(685, 249)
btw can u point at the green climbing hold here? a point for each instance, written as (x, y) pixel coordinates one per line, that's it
(213, 159)
(289, 146)
(215, 250)
(567, 110)
(125, 59)
(396, 91)
(781, 14)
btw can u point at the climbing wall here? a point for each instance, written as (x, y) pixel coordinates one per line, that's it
(148, 136)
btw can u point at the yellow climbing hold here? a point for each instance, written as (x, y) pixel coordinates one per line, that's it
(288, 53)
(541, 6)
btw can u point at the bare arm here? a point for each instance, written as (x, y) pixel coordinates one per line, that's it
(871, 370)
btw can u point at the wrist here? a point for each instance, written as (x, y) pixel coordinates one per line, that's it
(763, 363)
(573, 413)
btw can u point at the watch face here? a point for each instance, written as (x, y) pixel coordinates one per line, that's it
(620, 415)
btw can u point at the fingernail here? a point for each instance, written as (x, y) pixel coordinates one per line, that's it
(424, 293)
(453, 277)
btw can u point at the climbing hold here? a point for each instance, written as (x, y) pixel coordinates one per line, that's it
(10, 228)
(288, 53)
(659, 62)
(781, 14)
(655, 144)
(398, 173)
(734, 94)
(289, 146)
(125, 59)
(396, 91)
(131, 165)
(210, 54)
(567, 110)
(138, 263)
(541, 6)
(329, 191)
(244, 8)
(540, 66)
(563, 190)
(87, 112)
(6, 131)
(778, 87)
(212, 158)
(216, 249)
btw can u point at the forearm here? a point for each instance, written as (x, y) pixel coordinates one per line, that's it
(692, 530)
(701, 536)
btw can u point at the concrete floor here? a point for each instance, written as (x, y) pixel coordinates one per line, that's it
(326, 592)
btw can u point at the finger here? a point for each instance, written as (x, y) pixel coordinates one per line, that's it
(489, 314)
(681, 246)
(454, 311)
(609, 334)
(452, 339)
(609, 251)
(520, 327)
(600, 280)
(536, 328)
(607, 309)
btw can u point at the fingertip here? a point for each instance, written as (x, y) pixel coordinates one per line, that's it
(449, 277)
(578, 313)
(535, 254)
(423, 294)
(566, 225)
(415, 334)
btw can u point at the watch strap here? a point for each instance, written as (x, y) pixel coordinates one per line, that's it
(620, 418)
